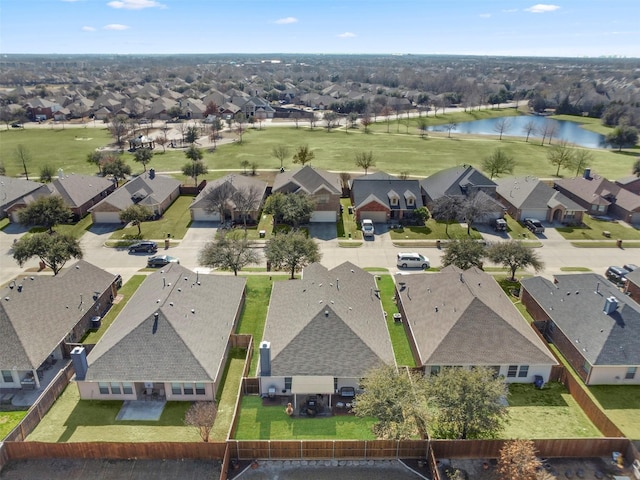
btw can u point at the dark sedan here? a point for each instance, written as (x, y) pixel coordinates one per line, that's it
(161, 260)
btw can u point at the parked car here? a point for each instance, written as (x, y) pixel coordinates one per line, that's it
(500, 225)
(534, 225)
(617, 275)
(367, 228)
(17, 125)
(630, 266)
(412, 260)
(161, 260)
(145, 246)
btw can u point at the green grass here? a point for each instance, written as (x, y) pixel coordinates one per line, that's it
(593, 229)
(347, 226)
(394, 153)
(4, 223)
(433, 230)
(230, 383)
(272, 423)
(9, 420)
(349, 243)
(176, 221)
(76, 229)
(604, 244)
(575, 269)
(127, 290)
(588, 123)
(547, 413)
(399, 340)
(73, 420)
(518, 231)
(621, 403)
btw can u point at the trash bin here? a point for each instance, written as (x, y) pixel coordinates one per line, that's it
(262, 233)
(619, 243)
(438, 244)
(166, 243)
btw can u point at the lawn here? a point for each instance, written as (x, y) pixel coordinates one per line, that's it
(127, 290)
(592, 229)
(621, 403)
(226, 398)
(347, 226)
(399, 340)
(517, 230)
(73, 420)
(76, 229)
(9, 420)
(393, 152)
(4, 223)
(175, 220)
(272, 423)
(547, 413)
(588, 123)
(433, 230)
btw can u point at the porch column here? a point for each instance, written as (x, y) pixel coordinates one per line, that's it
(35, 378)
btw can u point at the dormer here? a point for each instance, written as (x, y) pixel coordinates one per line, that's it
(394, 198)
(410, 198)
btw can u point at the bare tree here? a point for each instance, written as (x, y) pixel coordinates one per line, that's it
(331, 120)
(119, 127)
(581, 159)
(450, 126)
(498, 162)
(366, 121)
(502, 126)
(529, 128)
(162, 141)
(344, 179)
(247, 199)
(386, 113)
(240, 120)
(220, 198)
(295, 116)
(476, 208)
(560, 156)
(365, 160)
(23, 156)
(280, 152)
(202, 415)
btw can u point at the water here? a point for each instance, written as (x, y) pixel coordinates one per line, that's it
(564, 130)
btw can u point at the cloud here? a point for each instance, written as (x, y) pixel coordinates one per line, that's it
(88, 29)
(135, 4)
(286, 20)
(542, 8)
(510, 10)
(485, 15)
(116, 26)
(346, 35)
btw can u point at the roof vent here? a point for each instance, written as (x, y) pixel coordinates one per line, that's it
(326, 313)
(20, 287)
(610, 305)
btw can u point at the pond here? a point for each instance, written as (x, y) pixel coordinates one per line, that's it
(571, 132)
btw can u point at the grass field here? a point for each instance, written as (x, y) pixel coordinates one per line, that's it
(9, 420)
(393, 152)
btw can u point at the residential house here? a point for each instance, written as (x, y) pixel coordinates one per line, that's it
(230, 184)
(529, 197)
(631, 183)
(324, 187)
(462, 181)
(632, 286)
(12, 190)
(601, 197)
(322, 333)
(258, 108)
(171, 339)
(79, 192)
(463, 318)
(593, 325)
(41, 314)
(40, 109)
(154, 191)
(384, 198)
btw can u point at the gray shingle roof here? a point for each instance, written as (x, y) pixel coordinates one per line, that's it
(574, 306)
(183, 345)
(452, 180)
(12, 189)
(464, 318)
(34, 321)
(380, 186)
(159, 189)
(236, 181)
(79, 189)
(328, 323)
(531, 193)
(308, 180)
(595, 189)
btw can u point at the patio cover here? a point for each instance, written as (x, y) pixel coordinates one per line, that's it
(312, 385)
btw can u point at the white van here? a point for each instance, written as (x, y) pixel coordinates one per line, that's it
(412, 260)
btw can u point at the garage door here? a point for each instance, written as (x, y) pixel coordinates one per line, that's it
(324, 216)
(106, 217)
(201, 215)
(377, 217)
(14, 217)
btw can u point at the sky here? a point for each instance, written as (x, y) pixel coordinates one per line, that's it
(566, 28)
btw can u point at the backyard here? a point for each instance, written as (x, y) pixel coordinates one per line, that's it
(8, 421)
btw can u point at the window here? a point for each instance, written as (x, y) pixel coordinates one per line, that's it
(394, 201)
(322, 198)
(287, 383)
(586, 366)
(104, 388)
(524, 371)
(513, 369)
(176, 388)
(410, 201)
(435, 370)
(188, 388)
(631, 373)
(115, 388)
(7, 376)
(200, 389)
(127, 388)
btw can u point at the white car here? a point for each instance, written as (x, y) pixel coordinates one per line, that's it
(412, 260)
(367, 228)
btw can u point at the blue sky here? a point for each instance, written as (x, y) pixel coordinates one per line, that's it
(465, 27)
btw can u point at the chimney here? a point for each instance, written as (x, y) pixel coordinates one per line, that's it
(610, 305)
(79, 360)
(587, 173)
(265, 359)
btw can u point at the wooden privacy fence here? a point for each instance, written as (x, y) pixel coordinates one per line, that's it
(42, 405)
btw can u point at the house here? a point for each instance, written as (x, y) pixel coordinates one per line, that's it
(170, 340)
(632, 286)
(528, 196)
(41, 314)
(154, 191)
(40, 109)
(322, 333)
(257, 108)
(631, 183)
(14, 189)
(384, 198)
(324, 187)
(601, 197)
(463, 318)
(230, 184)
(79, 192)
(593, 325)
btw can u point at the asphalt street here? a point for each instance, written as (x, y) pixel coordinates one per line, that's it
(555, 252)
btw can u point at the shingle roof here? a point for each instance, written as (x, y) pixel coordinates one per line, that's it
(34, 321)
(308, 180)
(237, 182)
(12, 189)
(328, 323)
(531, 193)
(380, 186)
(196, 314)
(159, 188)
(79, 189)
(595, 189)
(575, 305)
(451, 181)
(462, 317)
